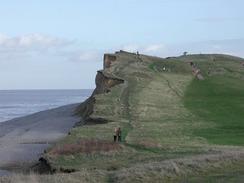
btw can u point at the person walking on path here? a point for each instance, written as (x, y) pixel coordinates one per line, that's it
(117, 134)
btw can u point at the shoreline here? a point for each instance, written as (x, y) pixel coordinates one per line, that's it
(23, 139)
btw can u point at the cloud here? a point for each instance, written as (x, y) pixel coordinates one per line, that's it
(154, 48)
(147, 49)
(131, 47)
(31, 41)
(86, 56)
(228, 46)
(32, 45)
(3, 38)
(36, 47)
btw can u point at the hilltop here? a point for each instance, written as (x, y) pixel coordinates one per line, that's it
(180, 117)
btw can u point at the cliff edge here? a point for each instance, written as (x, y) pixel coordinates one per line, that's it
(173, 112)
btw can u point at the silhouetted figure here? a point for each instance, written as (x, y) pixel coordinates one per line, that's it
(119, 134)
(115, 138)
(116, 134)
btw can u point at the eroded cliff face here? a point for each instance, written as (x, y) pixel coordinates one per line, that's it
(108, 59)
(104, 83)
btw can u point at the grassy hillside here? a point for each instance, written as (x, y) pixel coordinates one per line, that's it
(173, 125)
(219, 101)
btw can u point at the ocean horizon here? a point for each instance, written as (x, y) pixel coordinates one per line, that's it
(19, 103)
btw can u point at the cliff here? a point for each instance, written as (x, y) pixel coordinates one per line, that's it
(172, 112)
(104, 82)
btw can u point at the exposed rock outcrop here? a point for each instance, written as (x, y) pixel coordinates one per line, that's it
(108, 59)
(104, 83)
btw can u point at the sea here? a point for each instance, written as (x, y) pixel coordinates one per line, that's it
(18, 103)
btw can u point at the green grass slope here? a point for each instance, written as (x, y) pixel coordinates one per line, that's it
(219, 99)
(166, 114)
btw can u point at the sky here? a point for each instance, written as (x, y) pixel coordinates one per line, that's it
(59, 44)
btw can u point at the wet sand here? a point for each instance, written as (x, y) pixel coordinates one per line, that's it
(23, 140)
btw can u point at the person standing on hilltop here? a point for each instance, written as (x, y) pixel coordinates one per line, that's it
(119, 134)
(116, 134)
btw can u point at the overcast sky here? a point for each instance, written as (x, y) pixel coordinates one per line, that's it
(59, 44)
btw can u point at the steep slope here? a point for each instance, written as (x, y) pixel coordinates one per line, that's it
(167, 114)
